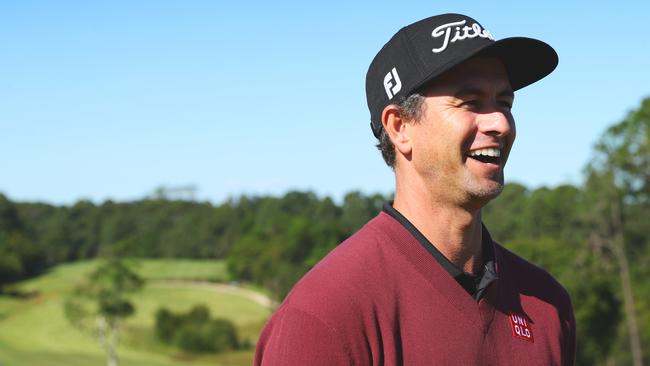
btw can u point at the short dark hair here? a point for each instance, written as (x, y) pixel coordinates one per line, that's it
(411, 108)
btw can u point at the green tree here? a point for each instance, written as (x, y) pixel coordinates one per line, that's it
(84, 223)
(19, 255)
(618, 184)
(288, 237)
(101, 302)
(11, 264)
(357, 209)
(48, 227)
(19, 258)
(504, 216)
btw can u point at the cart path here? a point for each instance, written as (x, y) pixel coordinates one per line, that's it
(252, 295)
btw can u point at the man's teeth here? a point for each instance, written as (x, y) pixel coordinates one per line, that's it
(495, 153)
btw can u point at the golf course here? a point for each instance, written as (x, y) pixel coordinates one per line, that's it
(35, 331)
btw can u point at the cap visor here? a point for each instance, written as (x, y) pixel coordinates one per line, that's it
(526, 60)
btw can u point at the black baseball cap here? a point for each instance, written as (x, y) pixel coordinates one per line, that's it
(421, 51)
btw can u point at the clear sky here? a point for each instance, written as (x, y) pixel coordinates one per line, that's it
(111, 99)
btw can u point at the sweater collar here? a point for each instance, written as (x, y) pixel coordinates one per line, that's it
(475, 285)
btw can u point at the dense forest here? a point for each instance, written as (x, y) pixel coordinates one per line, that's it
(594, 237)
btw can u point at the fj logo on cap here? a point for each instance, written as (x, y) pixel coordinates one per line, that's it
(460, 34)
(521, 328)
(392, 89)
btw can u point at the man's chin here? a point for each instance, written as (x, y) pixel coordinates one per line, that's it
(488, 194)
(485, 191)
(485, 187)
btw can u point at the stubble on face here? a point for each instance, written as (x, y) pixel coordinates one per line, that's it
(483, 192)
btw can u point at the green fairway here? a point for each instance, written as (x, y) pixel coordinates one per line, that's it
(34, 331)
(161, 269)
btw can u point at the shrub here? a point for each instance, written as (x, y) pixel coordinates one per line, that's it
(195, 331)
(166, 325)
(224, 334)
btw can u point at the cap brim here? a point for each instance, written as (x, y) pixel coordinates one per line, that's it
(527, 60)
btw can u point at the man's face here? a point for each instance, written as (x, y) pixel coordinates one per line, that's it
(461, 144)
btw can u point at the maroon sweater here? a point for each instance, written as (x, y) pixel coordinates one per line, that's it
(380, 298)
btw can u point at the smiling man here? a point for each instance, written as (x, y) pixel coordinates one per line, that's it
(423, 283)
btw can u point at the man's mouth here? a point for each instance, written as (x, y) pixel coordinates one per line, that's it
(488, 155)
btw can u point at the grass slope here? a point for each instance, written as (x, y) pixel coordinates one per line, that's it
(34, 331)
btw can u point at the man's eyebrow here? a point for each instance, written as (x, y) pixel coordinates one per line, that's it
(507, 93)
(471, 91)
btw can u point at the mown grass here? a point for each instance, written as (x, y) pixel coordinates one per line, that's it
(183, 269)
(34, 330)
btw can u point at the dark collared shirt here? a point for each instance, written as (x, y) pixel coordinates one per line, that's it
(475, 285)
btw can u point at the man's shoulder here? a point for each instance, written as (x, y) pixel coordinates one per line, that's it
(348, 271)
(334, 302)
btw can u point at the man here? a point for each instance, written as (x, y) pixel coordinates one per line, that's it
(423, 283)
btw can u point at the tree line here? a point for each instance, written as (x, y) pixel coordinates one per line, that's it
(594, 237)
(37, 236)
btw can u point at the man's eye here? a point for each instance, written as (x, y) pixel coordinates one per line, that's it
(505, 104)
(471, 104)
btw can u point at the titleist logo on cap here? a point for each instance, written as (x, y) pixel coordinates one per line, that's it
(460, 34)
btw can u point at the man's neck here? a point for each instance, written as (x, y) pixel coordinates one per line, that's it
(453, 230)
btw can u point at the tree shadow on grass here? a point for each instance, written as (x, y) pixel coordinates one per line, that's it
(19, 294)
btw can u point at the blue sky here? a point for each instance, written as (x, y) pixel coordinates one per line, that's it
(113, 99)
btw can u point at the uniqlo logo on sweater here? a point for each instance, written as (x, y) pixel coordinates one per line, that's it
(521, 328)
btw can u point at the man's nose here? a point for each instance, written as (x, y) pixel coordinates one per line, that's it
(497, 123)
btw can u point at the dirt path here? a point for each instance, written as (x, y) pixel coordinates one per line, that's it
(221, 287)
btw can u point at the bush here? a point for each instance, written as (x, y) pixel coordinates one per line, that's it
(166, 325)
(195, 331)
(224, 334)
(194, 338)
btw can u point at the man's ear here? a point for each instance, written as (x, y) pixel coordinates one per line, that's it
(397, 129)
